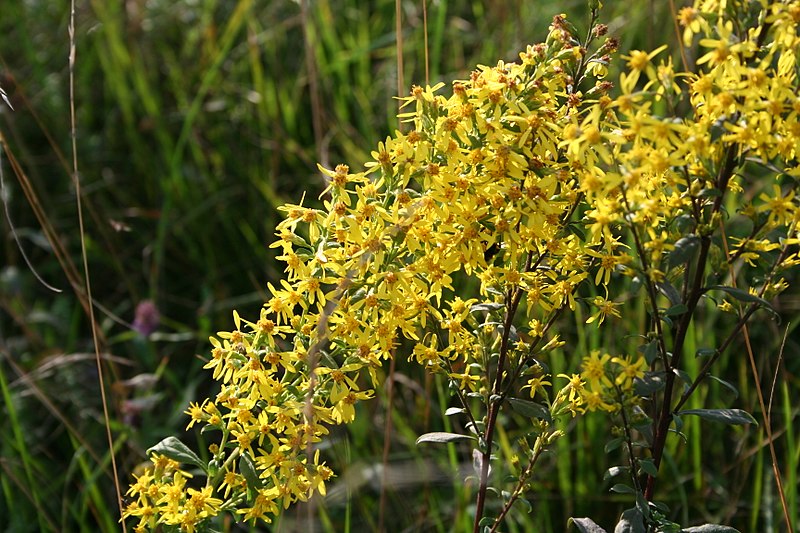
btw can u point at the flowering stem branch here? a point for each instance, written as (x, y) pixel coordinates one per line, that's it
(513, 297)
(523, 478)
(665, 416)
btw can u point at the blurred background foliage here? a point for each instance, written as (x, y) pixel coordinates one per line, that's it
(195, 120)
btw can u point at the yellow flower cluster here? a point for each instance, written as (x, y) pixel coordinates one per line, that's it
(517, 188)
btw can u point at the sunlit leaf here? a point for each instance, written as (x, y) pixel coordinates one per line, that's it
(615, 471)
(442, 436)
(178, 451)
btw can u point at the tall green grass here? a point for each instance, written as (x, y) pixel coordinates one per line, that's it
(195, 121)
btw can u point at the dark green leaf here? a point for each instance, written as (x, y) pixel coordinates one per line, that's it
(710, 193)
(650, 383)
(650, 351)
(487, 521)
(622, 488)
(742, 296)
(648, 467)
(577, 231)
(585, 525)
(612, 445)
(676, 310)
(530, 409)
(525, 503)
(726, 416)
(684, 251)
(726, 384)
(248, 469)
(615, 471)
(710, 528)
(178, 451)
(666, 288)
(631, 521)
(642, 506)
(683, 376)
(705, 352)
(441, 436)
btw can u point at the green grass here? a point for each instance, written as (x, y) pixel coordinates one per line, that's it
(195, 121)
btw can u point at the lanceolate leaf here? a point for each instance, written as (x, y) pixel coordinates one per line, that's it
(530, 409)
(743, 296)
(178, 451)
(666, 288)
(442, 436)
(248, 469)
(726, 384)
(726, 416)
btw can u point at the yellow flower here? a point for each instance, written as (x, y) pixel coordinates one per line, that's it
(629, 370)
(594, 370)
(537, 384)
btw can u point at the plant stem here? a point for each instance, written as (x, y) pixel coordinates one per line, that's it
(513, 297)
(665, 416)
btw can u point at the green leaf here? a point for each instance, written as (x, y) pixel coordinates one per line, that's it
(585, 525)
(530, 409)
(486, 306)
(666, 288)
(684, 251)
(678, 421)
(487, 521)
(709, 193)
(525, 503)
(705, 352)
(178, 451)
(650, 351)
(577, 231)
(454, 411)
(651, 382)
(612, 445)
(622, 488)
(442, 436)
(248, 469)
(730, 386)
(726, 416)
(614, 471)
(631, 521)
(743, 296)
(710, 528)
(648, 467)
(676, 310)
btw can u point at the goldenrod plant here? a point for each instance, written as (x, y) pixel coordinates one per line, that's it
(532, 190)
